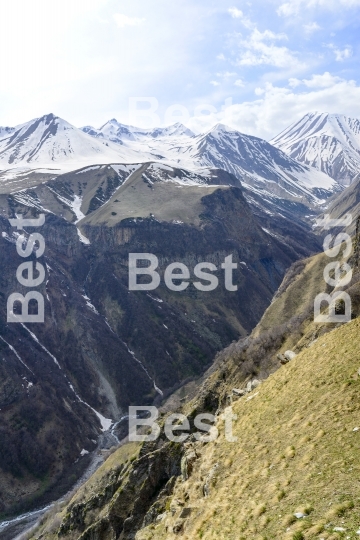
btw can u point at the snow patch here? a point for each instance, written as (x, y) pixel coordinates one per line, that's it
(153, 298)
(75, 206)
(106, 423)
(18, 357)
(126, 168)
(90, 305)
(41, 345)
(83, 238)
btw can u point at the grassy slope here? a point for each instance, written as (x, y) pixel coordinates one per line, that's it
(166, 201)
(295, 294)
(97, 481)
(296, 451)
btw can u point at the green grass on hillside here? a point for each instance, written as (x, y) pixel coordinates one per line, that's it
(297, 451)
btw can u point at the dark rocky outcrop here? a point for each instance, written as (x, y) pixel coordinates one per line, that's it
(135, 496)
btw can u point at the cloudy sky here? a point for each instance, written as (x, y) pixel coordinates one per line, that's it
(256, 66)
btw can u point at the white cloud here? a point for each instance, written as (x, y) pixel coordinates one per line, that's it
(239, 83)
(326, 80)
(238, 14)
(311, 28)
(288, 9)
(259, 48)
(220, 56)
(267, 35)
(278, 107)
(293, 7)
(225, 76)
(341, 55)
(123, 20)
(293, 83)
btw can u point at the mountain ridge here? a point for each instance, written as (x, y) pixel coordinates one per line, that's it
(49, 140)
(261, 166)
(250, 158)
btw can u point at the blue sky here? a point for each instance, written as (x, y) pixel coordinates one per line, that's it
(257, 66)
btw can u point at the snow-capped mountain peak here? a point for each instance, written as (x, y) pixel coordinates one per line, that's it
(252, 160)
(219, 127)
(345, 129)
(50, 141)
(45, 140)
(328, 142)
(258, 164)
(175, 130)
(116, 132)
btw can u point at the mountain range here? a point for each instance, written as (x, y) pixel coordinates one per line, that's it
(118, 133)
(276, 186)
(52, 144)
(259, 165)
(65, 385)
(329, 143)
